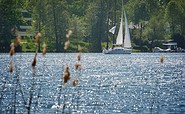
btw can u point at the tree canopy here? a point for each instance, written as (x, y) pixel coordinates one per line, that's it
(151, 22)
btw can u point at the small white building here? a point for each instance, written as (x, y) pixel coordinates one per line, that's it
(24, 26)
(171, 45)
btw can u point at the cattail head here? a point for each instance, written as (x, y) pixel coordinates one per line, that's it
(44, 49)
(66, 75)
(161, 58)
(66, 78)
(66, 45)
(34, 61)
(11, 66)
(12, 50)
(79, 56)
(79, 48)
(78, 66)
(69, 34)
(75, 82)
(66, 69)
(17, 40)
(37, 37)
(12, 45)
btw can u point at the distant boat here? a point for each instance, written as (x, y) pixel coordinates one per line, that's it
(172, 47)
(121, 47)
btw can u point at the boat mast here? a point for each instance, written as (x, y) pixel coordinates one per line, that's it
(119, 39)
(127, 42)
(113, 38)
(122, 21)
(108, 5)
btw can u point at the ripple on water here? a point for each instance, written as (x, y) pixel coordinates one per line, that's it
(135, 83)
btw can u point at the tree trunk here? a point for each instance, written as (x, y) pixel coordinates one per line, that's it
(55, 26)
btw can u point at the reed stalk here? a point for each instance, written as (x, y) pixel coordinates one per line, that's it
(39, 89)
(31, 94)
(64, 102)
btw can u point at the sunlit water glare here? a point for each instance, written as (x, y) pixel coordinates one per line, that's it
(135, 83)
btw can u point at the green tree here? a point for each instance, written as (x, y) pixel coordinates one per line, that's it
(140, 12)
(154, 31)
(174, 14)
(10, 14)
(96, 18)
(51, 19)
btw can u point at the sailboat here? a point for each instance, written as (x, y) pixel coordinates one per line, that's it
(121, 47)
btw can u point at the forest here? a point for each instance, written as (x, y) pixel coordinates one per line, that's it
(151, 22)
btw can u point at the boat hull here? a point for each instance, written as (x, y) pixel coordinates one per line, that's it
(117, 51)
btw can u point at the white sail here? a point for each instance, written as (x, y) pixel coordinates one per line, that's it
(112, 30)
(125, 47)
(127, 42)
(119, 40)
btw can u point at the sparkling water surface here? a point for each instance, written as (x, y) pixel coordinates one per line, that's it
(136, 83)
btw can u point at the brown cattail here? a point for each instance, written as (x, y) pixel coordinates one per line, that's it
(11, 66)
(75, 82)
(66, 69)
(37, 37)
(66, 75)
(17, 40)
(12, 50)
(66, 78)
(78, 66)
(66, 45)
(79, 48)
(44, 49)
(69, 34)
(12, 45)
(79, 56)
(161, 58)
(34, 61)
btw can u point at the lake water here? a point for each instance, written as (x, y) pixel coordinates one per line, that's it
(132, 84)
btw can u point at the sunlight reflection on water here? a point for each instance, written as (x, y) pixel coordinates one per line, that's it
(135, 83)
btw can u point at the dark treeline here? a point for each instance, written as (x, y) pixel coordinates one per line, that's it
(152, 22)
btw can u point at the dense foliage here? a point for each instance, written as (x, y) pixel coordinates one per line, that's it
(9, 20)
(151, 22)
